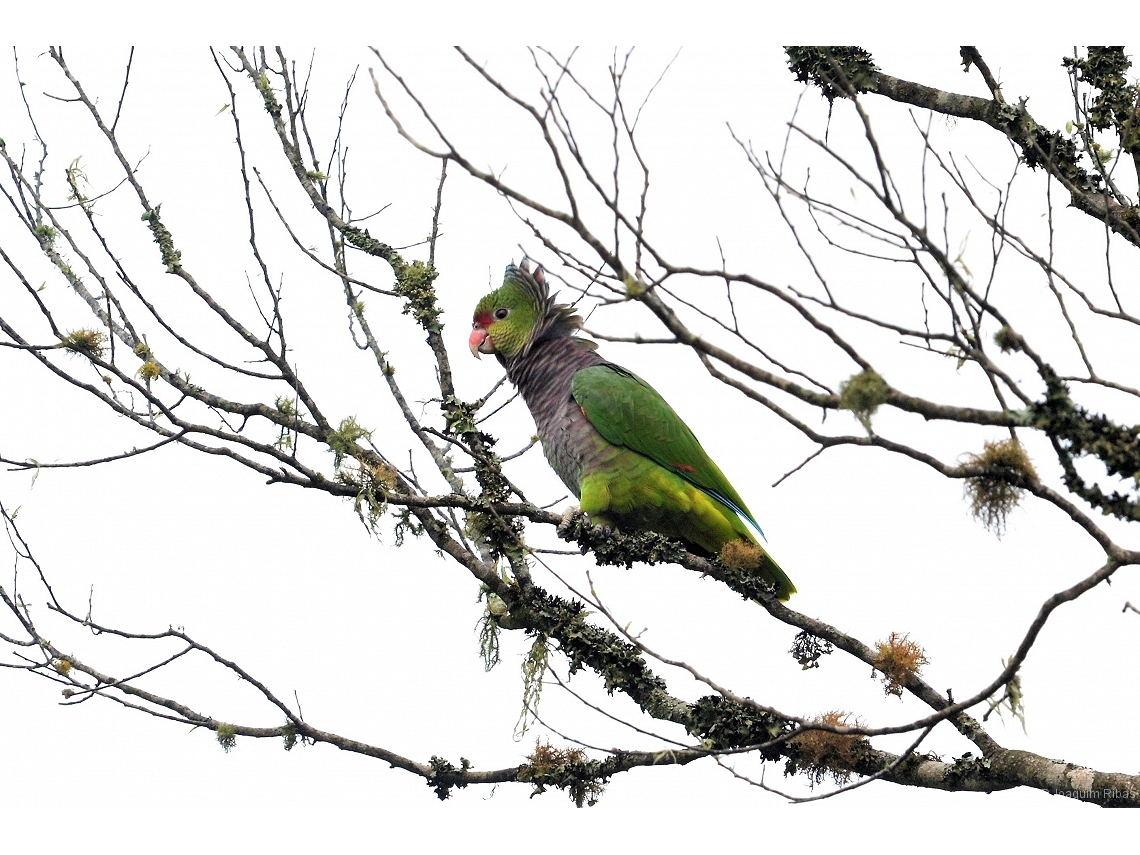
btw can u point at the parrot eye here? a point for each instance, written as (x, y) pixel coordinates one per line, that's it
(501, 314)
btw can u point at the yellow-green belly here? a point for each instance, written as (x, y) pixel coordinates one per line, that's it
(630, 491)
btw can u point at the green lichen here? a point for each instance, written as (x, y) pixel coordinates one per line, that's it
(149, 371)
(1009, 341)
(459, 416)
(1041, 147)
(342, 441)
(863, 394)
(721, 724)
(171, 257)
(838, 71)
(807, 649)
(1114, 106)
(261, 81)
(717, 722)
(489, 632)
(87, 342)
(1011, 699)
(287, 406)
(533, 670)
(373, 481)
(226, 736)
(966, 767)
(46, 235)
(495, 533)
(414, 284)
(76, 175)
(1077, 433)
(997, 491)
(444, 776)
(634, 288)
(362, 240)
(619, 663)
(620, 548)
(406, 523)
(568, 769)
(370, 477)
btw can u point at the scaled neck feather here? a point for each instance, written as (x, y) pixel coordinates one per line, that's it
(556, 321)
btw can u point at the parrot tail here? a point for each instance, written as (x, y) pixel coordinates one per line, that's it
(747, 554)
(772, 573)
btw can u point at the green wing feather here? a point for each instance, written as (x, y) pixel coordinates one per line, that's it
(629, 412)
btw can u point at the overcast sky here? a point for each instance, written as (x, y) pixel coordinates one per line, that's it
(379, 643)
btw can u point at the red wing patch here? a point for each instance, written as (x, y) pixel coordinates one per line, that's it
(684, 467)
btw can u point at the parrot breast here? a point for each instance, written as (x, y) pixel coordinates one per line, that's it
(545, 379)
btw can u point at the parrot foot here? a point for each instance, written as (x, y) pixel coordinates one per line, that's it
(569, 519)
(588, 532)
(601, 536)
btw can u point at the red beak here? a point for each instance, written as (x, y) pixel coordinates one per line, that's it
(480, 342)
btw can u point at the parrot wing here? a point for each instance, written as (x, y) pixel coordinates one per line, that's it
(629, 412)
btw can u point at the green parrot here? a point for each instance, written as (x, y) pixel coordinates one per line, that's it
(613, 440)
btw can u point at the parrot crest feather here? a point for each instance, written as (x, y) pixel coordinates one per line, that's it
(557, 319)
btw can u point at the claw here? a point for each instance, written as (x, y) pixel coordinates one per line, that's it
(569, 517)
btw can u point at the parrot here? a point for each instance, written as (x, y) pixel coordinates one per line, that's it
(616, 444)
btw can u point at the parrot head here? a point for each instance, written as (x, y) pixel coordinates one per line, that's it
(510, 320)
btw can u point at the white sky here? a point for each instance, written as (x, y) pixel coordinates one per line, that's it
(379, 644)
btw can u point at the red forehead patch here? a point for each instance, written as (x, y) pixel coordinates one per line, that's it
(483, 318)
